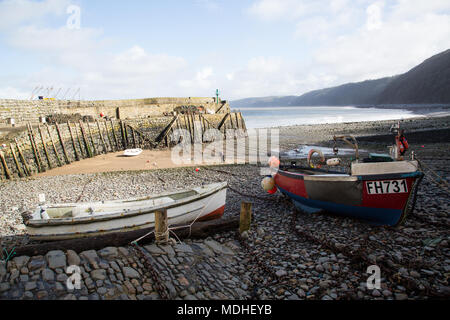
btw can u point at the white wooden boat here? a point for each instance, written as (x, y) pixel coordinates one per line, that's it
(132, 152)
(69, 221)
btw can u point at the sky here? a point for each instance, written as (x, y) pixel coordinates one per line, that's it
(245, 48)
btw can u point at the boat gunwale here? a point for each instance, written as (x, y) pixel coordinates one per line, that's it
(331, 176)
(87, 220)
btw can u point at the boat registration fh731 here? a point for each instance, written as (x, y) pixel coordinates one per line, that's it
(386, 187)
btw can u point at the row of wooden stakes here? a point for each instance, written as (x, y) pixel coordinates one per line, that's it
(188, 121)
(85, 143)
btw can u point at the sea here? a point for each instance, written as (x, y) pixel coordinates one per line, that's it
(268, 117)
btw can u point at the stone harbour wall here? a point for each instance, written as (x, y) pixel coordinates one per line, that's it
(30, 110)
(47, 148)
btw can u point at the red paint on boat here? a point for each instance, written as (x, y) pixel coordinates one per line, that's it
(387, 201)
(295, 186)
(216, 214)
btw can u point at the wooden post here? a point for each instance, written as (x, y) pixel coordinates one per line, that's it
(92, 139)
(5, 165)
(85, 140)
(45, 148)
(19, 170)
(61, 141)
(101, 136)
(246, 217)
(161, 227)
(24, 161)
(191, 130)
(109, 137)
(126, 135)
(54, 146)
(77, 157)
(242, 122)
(114, 136)
(122, 131)
(134, 137)
(237, 121)
(35, 151)
(79, 141)
(223, 122)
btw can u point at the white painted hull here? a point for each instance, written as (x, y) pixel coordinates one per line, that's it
(93, 219)
(132, 152)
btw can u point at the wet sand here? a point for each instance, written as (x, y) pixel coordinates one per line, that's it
(116, 162)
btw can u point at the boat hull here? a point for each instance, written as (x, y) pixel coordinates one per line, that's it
(204, 207)
(379, 199)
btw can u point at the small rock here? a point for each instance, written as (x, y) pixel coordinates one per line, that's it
(36, 263)
(109, 253)
(48, 275)
(92, 257)
(281, 273)
(56, 259)
(21, 261)
(130, 273)
(154, 249)
(72, 258)
(41, 295)
(98, 274)
(29, 286)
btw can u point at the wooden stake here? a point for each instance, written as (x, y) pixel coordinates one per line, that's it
(61, 141)
(126, 134)
(191, 131)
(122, 131)
(92, 138)
(85, 140)
(79, 141)
(161, 227)
(37, 148)
(101, 137)
(74, 145)
(109, 137)
(237, 121)
(114, 136)
(5, 165)
(134, 136)
(35, 151)
(19, 170)
(27, 169)
(243, 122)
(54, 146)
(44, 144)
(246, 217)
(222, 123)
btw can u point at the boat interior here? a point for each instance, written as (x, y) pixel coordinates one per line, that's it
(108, 207)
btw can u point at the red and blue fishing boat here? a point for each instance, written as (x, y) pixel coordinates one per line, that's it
(380, 189)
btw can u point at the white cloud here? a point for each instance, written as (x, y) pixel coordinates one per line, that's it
(281, 9)
(17, 12)
(374, 16)
(359, 40)
(13, 93)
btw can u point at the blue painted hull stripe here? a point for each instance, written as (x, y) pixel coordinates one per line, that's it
(375, 215)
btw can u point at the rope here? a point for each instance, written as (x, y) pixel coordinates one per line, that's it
(84, 188)
(441, 182)
(171, 229)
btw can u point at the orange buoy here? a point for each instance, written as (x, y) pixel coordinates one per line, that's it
(274, 162)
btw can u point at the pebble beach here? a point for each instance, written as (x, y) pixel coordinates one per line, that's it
(287, 255)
